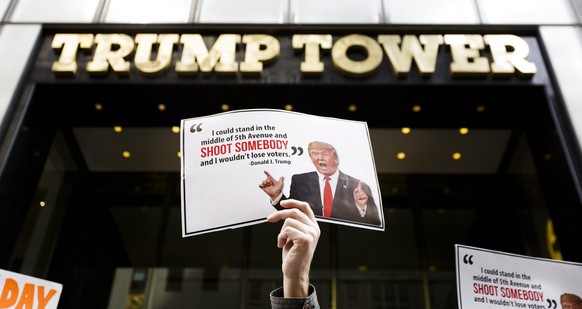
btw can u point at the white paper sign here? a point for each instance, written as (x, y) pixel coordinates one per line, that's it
(225, 157)
(492, 279)
(21, 291)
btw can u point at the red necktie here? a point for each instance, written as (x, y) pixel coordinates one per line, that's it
(327, 198)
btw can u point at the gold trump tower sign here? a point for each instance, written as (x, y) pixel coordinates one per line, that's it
(153, 53)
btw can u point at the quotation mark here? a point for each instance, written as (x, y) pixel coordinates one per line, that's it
(295, 149)
(468, 260)
(552, 302)
(195, 128)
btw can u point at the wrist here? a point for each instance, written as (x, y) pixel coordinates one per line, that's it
(296, 287)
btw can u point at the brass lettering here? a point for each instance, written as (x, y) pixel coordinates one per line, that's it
(259, 48)
(143, 53)
(195, 55)
(69, 44)
(190, 50)
(505, 62)
(110, 51)
(401, 58)
(465, 54)
(354, 55)
(312, 43)
(341, 60)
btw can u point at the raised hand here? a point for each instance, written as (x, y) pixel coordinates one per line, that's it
(297, 239)
(271, 186)
(360, 196)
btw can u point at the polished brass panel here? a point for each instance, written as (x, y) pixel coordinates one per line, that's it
(466, 58)
(111, 50)
(259, 48)
(195, 55)
(401, 57)
(312, 44)
(341, 60)
(69, 43)
(509, 53)
(145, 43)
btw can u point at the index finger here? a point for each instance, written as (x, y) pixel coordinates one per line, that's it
(303, 207)
(268, 175)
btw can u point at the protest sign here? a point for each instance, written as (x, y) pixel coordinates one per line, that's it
(227, 157)
(21, 291)
(492, 279)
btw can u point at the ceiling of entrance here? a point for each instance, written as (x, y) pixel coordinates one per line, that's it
(427, 151)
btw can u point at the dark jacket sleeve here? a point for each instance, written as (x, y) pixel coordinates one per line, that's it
(279, 302)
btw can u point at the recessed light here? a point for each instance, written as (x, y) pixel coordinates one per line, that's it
(456, 156)
(401, 155)
(117, 129)
(161, 107)
(405, 130)
(98, 106)
(464, 131)
(126, 154)
(416, 108)
(225, 107)
(176, 129)
(480, 108)
(352, 108)
(289, 107)
(42, 204)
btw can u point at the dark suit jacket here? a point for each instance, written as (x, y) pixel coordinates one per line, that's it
(305, 187)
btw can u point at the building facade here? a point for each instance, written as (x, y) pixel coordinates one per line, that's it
(472, 108)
